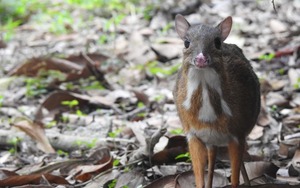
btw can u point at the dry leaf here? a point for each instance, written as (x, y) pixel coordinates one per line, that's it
(32, 179)
(256, 133)
(36, 132)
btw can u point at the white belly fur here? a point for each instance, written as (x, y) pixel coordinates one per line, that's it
(211, 137)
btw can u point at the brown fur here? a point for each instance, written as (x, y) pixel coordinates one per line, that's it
(240, 89)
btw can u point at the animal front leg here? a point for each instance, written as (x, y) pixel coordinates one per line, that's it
(235, 150)
(198, 154)
(212, 151)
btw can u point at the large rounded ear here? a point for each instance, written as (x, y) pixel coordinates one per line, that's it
(181, 25)
(225, 27)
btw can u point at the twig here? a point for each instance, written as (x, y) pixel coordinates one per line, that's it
(91, 65)
(274, 7)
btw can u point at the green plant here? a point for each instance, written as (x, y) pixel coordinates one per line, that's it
(140, 104)
(62, 153)
(114, 134)
(1, 100)
(61, 22)
(281, 71)
(80, 113)
(38, 85)
(112, 184)
(116, 162)
(167, 27)
(8, 29)
(177, 131)
(154, 69)
(274, 108)
(297, 85)
(184, 155)
(35, 87)
(89, 145)
(51, 124)
(141, 114)
(14, 141)
(50, 76)
(92, 84)
(64, 119)
(159, 98)
(71, 104)
(267, 57)
(148, 12)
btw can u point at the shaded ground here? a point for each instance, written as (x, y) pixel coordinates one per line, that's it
(105, 108)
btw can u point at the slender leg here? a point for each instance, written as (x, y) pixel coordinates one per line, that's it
(235, 150)
(198, 154)
(212, 151)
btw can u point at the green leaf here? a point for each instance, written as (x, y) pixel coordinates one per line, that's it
(140, 104)
(267, 57)
(184, 155)
(177, 131)
(112, 184)
(71, 103)
(116, 162)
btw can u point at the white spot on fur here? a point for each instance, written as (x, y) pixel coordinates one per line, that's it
(211, 137)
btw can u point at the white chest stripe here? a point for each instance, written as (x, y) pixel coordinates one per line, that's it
(207, 112)
(207, 77)
(192, 86)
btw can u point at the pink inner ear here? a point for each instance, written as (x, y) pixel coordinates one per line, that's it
(225, 27)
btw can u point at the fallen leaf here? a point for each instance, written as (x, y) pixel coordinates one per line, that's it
(35, 131)
(133, 178)
(32, 179)
(256, 133)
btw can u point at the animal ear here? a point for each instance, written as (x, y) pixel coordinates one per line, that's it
(181, 25)
(225, 27)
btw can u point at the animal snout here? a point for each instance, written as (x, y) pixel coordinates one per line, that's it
(201, 60)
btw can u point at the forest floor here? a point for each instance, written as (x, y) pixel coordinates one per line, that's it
(88, 102)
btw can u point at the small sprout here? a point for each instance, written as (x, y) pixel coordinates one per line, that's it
(141, 114)
(126, 169)
(71, 103)
(12, 150)
(114, 134)
(159, 98)
(89, 145)
(267, 57)
(116, 162)
(103, 39)
(1, 100)
(62, 153)
(167, 27)
(281, 71)
(51, 124)
(14, 141)
(154, 69)
(112, 184)
(297, 85)
(274, 108)
(80, 113)
(65, 119)
(177, 131)
(184, 155)
(140, 104)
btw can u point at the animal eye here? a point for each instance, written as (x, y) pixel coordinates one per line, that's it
(186, 43)
(218, 43)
